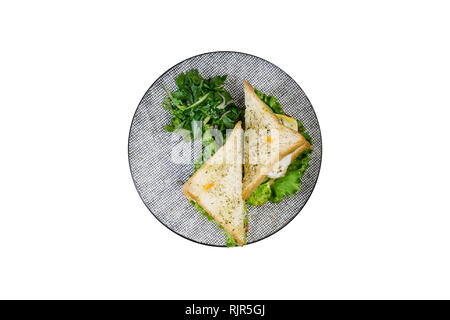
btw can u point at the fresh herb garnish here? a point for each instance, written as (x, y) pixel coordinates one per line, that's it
(200, 99)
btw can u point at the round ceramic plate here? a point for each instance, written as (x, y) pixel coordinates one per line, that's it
(159, 180)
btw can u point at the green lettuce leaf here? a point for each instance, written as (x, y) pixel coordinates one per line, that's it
(290, 183)
(303, 132)
(261, 195)
(230, 241)
(270, 101)
(301, 163)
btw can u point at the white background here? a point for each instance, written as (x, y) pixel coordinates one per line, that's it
(73, 226)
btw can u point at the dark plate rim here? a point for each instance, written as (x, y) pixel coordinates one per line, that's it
(129, 137)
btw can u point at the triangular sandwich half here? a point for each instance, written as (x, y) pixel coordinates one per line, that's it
(217, 186)
(267, 142)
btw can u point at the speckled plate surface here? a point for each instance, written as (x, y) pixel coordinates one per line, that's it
(159, 181)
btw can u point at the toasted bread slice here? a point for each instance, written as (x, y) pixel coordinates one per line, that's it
(217, 186)
(267, 141)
